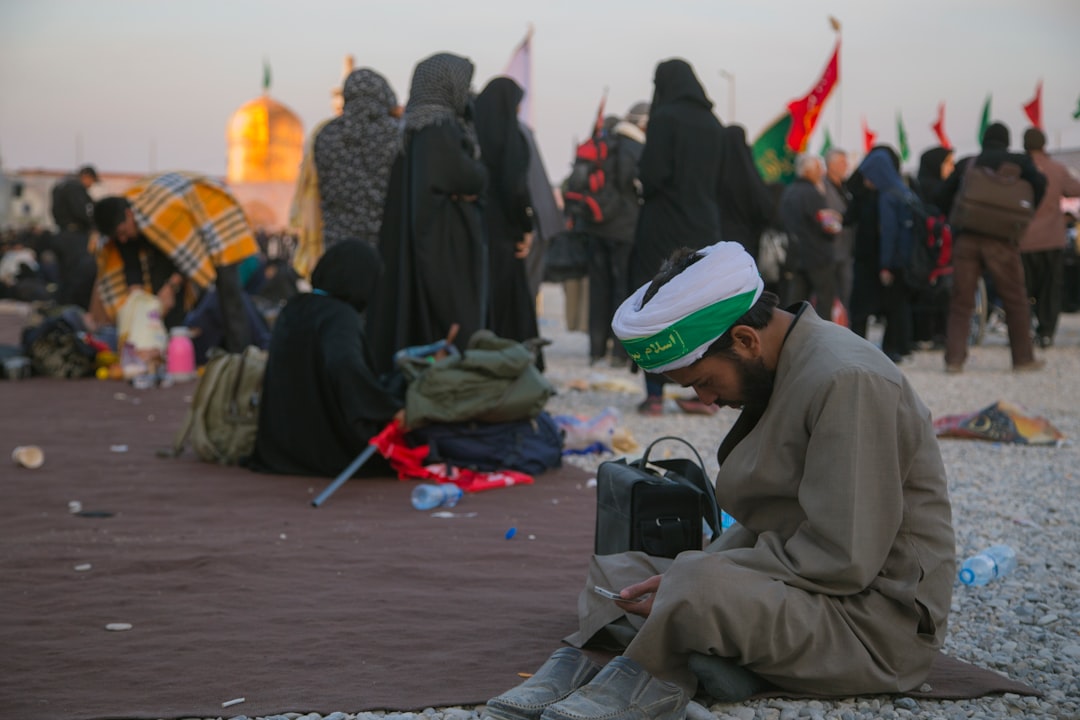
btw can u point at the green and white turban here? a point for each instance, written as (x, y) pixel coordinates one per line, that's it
(690, 311)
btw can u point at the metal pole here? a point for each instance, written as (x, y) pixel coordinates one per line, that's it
(730, 77)
(344, 476)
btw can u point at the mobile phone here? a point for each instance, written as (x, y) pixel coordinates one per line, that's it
(606, 593)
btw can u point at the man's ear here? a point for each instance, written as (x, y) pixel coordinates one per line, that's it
(746, 340)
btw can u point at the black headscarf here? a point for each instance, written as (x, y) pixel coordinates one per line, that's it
(502, 146)
(439, 92)
(929, 177)
(674, 81)
(348, 271)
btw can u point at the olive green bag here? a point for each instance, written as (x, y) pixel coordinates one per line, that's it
(224, 412)
(495, 380)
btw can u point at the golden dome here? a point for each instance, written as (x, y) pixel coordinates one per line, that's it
(265, 142)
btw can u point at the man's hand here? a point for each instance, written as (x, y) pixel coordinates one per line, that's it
(645, 591)
(169, 292)
(886, 278)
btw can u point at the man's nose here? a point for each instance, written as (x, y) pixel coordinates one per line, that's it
(705, 396)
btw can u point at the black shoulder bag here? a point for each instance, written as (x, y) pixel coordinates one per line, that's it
(658, 512)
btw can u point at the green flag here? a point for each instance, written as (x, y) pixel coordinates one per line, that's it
(827, 146)
(901, 139)
(266, 76)
(1076, 115)
(775, 160)
(985, 121)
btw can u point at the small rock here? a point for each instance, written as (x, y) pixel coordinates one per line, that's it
(83, 567)
(744, 713)
(118, 627)
(1047, 619)
(695, 711)
(906, 703)
(336, 716)
(1071, 650)
(926, 687)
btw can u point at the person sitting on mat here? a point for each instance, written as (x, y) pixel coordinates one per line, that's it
(837, 576)
(322, 401)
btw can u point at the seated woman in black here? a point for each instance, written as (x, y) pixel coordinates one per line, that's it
(322, 401)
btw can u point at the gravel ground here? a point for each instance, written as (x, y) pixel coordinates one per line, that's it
(1026, 625)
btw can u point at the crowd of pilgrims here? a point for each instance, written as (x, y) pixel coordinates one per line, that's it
(436, 215)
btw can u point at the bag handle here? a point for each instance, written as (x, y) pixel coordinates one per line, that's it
(701, 482)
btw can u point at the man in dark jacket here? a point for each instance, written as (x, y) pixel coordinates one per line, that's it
(73, 212)
(610, 241)
(681, 172)
(972, 254)
(1042, 248)
(811, 227)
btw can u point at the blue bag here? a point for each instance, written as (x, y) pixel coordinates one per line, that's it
(529, 446)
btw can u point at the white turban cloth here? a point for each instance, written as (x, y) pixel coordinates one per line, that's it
(690, 311)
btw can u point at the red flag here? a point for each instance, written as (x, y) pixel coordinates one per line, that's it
(939, 127)
(1034, 108)
(805, 111)
(869, 137)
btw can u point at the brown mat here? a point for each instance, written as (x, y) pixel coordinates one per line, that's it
(236, 587)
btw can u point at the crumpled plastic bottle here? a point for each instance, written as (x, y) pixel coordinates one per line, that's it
(588, 435)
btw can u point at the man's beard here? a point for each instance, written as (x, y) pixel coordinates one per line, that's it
(757, 384)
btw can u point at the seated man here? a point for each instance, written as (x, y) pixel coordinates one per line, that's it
(174, 235)
(838, 575)
(321, 400)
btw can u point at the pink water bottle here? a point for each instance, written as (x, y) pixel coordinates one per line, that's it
(180, 358)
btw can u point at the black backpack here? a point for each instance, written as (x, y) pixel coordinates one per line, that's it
(929, 266)
(591, 194)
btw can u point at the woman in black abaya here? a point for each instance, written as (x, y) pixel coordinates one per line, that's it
(322, 400)
(507, 211)
(432, 236)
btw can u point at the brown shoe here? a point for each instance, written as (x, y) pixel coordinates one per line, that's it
(954, 368)
(1030, 366)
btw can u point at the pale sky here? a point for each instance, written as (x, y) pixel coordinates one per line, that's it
(114, 77)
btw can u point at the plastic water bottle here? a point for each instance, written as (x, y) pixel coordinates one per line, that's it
(995, 562)
(726, 520)
(429, 496)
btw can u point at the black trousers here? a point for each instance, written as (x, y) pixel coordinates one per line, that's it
(896, 311)
(1044, 276)
(819, 282)
(609, 285)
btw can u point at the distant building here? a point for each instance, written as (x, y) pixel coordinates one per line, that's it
(265, 144)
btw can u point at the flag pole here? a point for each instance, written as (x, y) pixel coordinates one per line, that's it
(835, 25)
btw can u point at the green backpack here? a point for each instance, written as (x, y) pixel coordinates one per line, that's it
(224, 412)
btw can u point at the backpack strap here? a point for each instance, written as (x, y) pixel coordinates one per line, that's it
(201, 390)
(234, 395)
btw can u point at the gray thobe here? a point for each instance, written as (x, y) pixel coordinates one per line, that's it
(838, 576)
